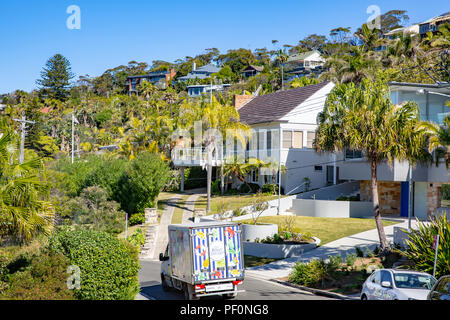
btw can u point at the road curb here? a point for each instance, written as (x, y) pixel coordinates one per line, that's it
(314, 291)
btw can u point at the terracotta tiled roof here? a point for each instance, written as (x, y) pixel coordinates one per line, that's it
(273, 107)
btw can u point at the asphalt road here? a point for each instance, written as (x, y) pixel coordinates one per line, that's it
(150, 281)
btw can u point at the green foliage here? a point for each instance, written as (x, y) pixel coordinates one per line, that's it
(420, 250)
(37, 277)
(137, 218)
(102, 117)
(142, 181)
(55, 78)
(249, 188)
(109, 266)
(215, 188)
(93, 210)
(315, 272)
(359, 252)
(137, 238)
(270, 188)
(446, 192)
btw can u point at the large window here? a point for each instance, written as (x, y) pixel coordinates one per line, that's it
(298, 139)
(310, 138)
(292, 139)
(287, 139)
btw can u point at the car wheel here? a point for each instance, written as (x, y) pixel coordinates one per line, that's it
(229, 296)
(363, 297)
(164, 284)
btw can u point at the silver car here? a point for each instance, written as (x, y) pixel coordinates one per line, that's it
(396, 284)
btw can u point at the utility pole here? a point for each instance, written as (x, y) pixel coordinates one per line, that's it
(23, 126)
(73, 134)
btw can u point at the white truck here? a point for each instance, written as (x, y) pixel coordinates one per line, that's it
(203, 259)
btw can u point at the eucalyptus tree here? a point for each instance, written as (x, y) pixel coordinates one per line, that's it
(364, 118)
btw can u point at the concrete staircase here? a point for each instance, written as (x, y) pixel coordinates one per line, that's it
(147, 251)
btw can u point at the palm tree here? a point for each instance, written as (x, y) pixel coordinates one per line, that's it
(216, 116)
(439, 140)
(234, 167)
(364, 118)
(24, 210)
(370, 37)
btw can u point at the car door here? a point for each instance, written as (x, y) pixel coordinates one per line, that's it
(441, 290)
(386, 293)
(374, 286)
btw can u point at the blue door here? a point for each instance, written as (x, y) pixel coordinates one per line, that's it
(404, 203)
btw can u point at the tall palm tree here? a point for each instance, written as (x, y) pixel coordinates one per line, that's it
(370, 37)
(364, 118)
(213, 115)
(439, 140)
(24, 210)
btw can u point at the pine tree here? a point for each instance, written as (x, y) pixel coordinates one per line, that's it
(55, 78)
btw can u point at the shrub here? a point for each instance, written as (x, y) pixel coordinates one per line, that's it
(359, 252)
(93, 210)
(315, 272)
(239, 212)
(215, 188)
(270, 188)
(137, 218)
(142, 181)
(44, 278)
(109, 266)
(137, 238)
(249, 188)
(420, 250)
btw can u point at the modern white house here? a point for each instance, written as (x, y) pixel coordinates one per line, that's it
(305, 63)
(393, 184)
(201, 89)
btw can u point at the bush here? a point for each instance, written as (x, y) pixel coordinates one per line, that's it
(142, 181)
(249, 188)
(420, 250)
(137, 238)
(137, 218)
(270, 188)
(109, 266)
(215, 188)
(316, 272)
(43, 278)
(93, 210)
(445, 192)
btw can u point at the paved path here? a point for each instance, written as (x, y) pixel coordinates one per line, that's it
(162, 236)
(189, 206)
(368, 239)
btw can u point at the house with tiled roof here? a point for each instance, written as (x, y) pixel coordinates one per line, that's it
(283, 129)
(251, 71)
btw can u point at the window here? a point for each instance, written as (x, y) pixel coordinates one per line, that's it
(298, 139)
(310, 138)
(353, 154)
(287, 139)
(254, 176)
(386, 276)
(376, 277)
(318, 168)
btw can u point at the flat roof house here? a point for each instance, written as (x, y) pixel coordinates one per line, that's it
(433, 24)
(393, 185)
(201, 89)
(301, 64)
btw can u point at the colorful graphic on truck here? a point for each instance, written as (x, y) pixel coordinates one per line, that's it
(217, 253)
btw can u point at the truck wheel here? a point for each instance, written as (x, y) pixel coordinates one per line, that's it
(188, 291)
(164, 285)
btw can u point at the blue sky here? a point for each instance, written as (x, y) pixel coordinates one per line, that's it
(115, 32)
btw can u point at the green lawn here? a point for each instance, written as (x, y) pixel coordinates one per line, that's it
(326, 229)
(179, 208)
(130, 231)
(251, 261)
(232, 202)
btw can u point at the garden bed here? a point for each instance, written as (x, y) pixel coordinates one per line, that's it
(285, 249)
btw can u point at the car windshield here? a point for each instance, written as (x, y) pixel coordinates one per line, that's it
(413, 281)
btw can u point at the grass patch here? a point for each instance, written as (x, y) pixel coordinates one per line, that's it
(233, 201)
(326, 229)
(163, 197)
(252, 261)
(130, 231)
(177, 216)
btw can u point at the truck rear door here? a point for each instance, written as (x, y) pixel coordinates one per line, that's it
(217, 253)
